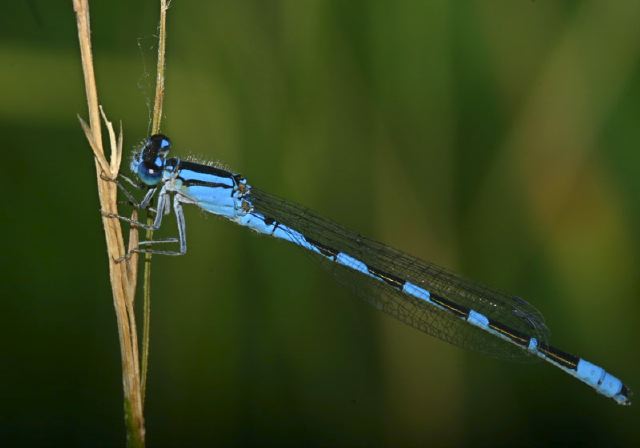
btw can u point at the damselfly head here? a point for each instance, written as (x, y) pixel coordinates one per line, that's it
(149, 162)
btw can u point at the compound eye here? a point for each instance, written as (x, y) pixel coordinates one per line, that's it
(159, 141)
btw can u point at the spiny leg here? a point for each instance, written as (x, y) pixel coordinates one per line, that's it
(182, 234)
(133, 222)
(164, 207)
(131, 199)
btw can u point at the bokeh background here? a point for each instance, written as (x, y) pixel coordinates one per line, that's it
(500, 139)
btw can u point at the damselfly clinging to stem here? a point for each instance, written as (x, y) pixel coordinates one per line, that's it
(417, 293)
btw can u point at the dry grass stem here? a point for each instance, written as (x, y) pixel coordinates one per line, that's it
(121, 275)
(159, 96)
(155, 128)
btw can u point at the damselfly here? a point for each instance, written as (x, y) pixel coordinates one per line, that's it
(417, 293)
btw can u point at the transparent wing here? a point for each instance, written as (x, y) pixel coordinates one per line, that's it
(508, 310)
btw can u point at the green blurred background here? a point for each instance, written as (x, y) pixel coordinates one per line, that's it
(498, 138)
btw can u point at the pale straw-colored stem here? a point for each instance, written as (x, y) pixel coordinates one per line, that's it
(122, 275)
(155, 128)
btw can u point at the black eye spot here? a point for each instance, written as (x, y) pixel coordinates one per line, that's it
(156, 146)
(160, 141)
